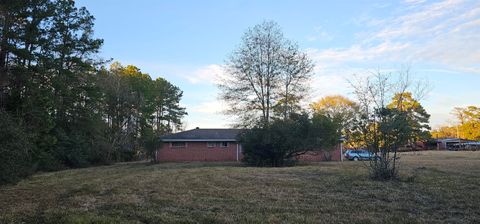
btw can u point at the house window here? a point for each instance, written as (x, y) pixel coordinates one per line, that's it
(210, 144)
(224, 144)
(178, 144)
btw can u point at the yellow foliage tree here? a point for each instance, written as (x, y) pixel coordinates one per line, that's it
(469, 122)
(341, 110)
(444, 132)
(335, 105)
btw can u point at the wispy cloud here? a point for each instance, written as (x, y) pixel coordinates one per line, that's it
(444, 33)
(209, 74)
(414, 2)
(441, 36)
(357, 53)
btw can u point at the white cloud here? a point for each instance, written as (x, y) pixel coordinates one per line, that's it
(209, 107)
(212, 121)
(324, 85)
(414, 2)
(207, 114)
(357, 53)
(210, 74)
(444, 33)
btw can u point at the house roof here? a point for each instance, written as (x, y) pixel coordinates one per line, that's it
(453, 140)
(199, 135)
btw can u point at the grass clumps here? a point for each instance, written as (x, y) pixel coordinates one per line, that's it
(444, 189)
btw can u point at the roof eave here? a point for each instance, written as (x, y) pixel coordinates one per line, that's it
(198, 140)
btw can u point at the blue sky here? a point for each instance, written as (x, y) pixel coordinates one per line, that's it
(187, 43)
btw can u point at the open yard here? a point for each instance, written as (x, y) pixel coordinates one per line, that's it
(435, 187)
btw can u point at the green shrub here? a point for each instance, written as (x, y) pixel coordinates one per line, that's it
(281, 141)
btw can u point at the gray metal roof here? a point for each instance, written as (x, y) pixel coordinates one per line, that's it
(453, 140)
(196, 135)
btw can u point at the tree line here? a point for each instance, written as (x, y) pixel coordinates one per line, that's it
(59, 106)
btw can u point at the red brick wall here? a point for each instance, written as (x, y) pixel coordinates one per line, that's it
(198, 151)
(321, 155)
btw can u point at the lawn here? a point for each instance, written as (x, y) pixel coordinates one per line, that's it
(436, 187)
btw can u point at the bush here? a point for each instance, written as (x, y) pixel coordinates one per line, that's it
(281, 141)
(382, 169)
(265, 147)
(15, 150)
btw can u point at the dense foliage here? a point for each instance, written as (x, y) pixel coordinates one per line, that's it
(137, 110)
(279, 143)
(59, 108)
(416, 116)
(341, 110)
(15, 151)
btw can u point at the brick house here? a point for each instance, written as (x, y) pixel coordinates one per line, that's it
(201, 145)
(214, 145)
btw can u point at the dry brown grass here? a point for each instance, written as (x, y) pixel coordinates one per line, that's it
(436, 187)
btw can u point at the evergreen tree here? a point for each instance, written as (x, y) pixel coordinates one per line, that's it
(55, 98)
(416, 116)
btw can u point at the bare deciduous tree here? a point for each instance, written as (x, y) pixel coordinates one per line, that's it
(383, 129)
(267, 71)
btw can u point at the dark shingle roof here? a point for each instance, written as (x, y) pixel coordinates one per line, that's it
(203, 135)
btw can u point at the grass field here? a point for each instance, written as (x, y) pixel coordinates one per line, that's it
(436, 187)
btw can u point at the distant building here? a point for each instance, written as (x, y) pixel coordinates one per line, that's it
(216, 145)
(457, 144)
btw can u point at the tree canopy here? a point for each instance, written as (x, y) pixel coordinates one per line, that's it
(341, 110)
(416, 116)
(56, 97)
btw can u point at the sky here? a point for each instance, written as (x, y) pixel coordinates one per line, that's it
(188, 42)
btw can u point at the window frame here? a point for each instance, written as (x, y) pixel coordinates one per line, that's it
(211, 146)
(226, 146)
(178, 147)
